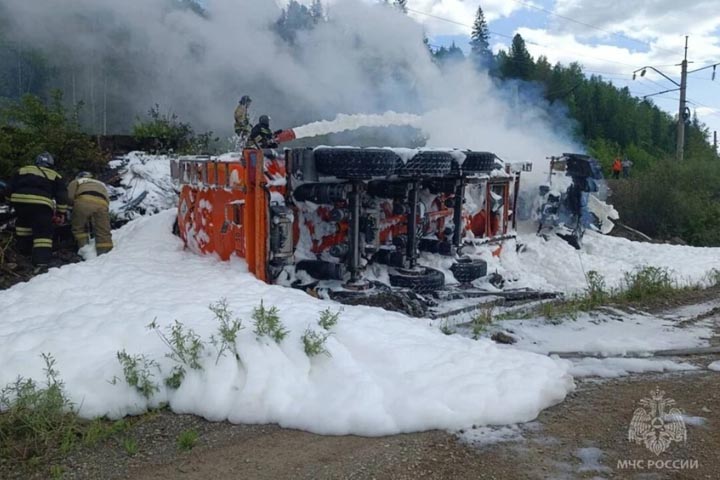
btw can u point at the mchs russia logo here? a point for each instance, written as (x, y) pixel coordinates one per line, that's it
(657, 423)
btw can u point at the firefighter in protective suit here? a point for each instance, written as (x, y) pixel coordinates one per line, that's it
(90, 200)
(242, 121)
(261, 136)
(38, 194)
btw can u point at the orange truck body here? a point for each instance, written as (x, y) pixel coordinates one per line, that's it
(244, 206)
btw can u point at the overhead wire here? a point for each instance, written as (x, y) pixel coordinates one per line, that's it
(581, 55)
(595, 27)
(504, 35)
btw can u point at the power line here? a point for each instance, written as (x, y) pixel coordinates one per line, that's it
(511, 36)
(595, 27)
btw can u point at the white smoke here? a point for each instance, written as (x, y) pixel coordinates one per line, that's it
(366, 60)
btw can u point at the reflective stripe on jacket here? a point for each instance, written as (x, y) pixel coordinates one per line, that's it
(39, 186)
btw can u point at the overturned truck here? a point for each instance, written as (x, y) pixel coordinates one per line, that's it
(350, 219)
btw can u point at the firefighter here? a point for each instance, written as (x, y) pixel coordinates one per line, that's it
(39, 197)
(616, 167)
(242, 122)
(90, 200)
(261, 136)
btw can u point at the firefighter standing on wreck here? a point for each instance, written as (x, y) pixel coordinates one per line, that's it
(38, 194)
(242, 120)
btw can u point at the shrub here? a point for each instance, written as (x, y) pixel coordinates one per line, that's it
(171, 134)
(713, 277)
(596, 291)
(647, 282)
(673, 200)
(447, 329)
(32, 126)
(35, 418)
(185, 346)
(267, 323)
(328, 319)
(314, 343)
(228, 329)
(137, 370)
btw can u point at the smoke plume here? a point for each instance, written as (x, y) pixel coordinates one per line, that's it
(367, 59)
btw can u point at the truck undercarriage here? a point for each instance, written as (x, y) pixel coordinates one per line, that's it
(356, 224)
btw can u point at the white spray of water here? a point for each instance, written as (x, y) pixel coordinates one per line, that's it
(343, 123)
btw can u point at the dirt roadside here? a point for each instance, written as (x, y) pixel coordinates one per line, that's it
(585, 437)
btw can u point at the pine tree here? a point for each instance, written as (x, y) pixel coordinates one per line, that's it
(479, 41)
(294, 18)
(451, 54)
(518, 63)
(316, 11)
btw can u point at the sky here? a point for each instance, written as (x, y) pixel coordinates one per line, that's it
(610, 38)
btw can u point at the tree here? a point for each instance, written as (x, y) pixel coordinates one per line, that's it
(518, 63)
(480, 52)
(31, 126)
(451, 54)
(401, 5)
(294, 18)
(316, 11)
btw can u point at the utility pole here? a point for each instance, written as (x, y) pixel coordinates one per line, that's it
(682, 87)
(715, 141)
(681, 110)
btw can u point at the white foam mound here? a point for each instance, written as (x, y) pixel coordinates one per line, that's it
(387, 373)
(343, 123)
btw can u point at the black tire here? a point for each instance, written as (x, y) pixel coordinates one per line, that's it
(356, 163)
(467, 270)
(427, 164)
(425, 280)
(478, 162)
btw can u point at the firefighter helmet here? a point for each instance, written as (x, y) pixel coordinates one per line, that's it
(264, 120)
(44, 160)
(245, 100)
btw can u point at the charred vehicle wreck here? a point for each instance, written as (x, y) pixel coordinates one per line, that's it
(349, 222)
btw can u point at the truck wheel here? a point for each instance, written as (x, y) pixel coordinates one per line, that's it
(467, 270)
(427, 164)
(356, 163)
(425, 280)
(478, 162)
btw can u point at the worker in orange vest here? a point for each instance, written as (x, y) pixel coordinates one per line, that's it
(616, 167)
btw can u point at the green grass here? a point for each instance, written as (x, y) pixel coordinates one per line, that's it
(130, 446)
(187, 440)
(37, 419)
(480, 322)
(643, 285)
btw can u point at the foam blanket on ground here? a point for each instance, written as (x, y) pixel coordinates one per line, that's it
(386, 373)
(555, 265)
